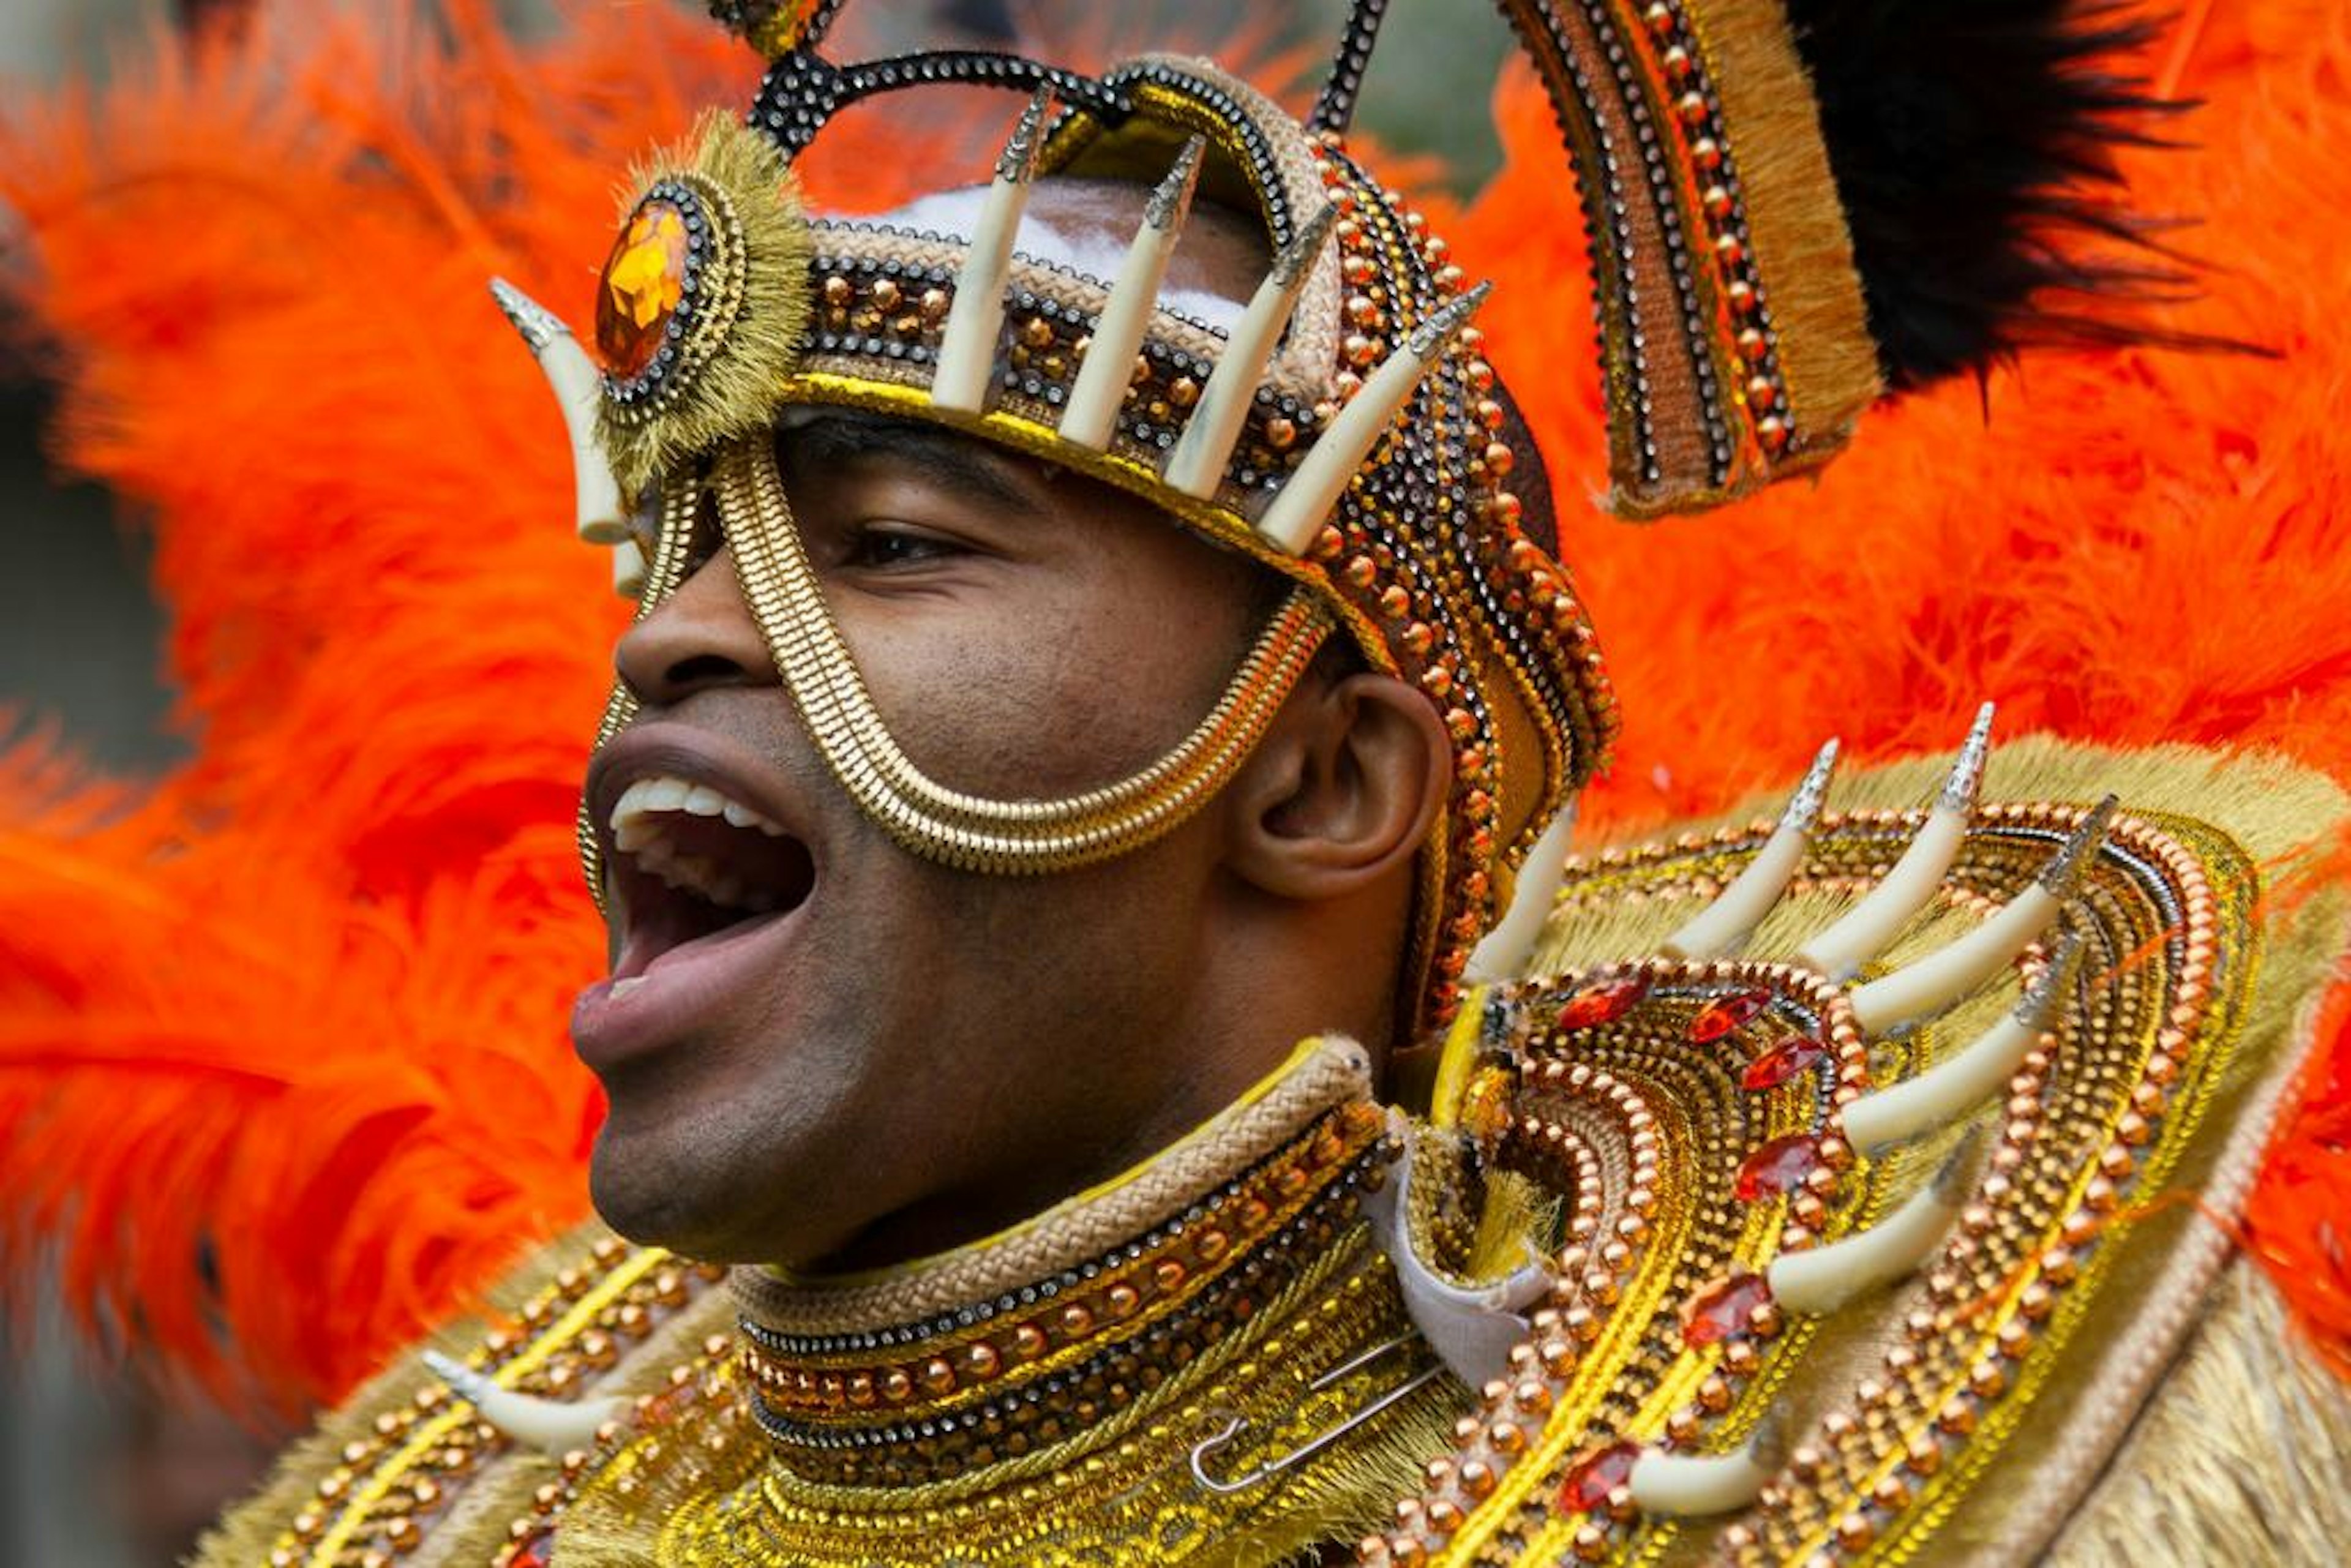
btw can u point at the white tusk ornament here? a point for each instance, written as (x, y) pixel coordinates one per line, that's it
(1314, 486)
(1691, 1486)
(550, 1425)
(1507, 951)
(1929, 985)
(1863, 932)
(1957, 1084)
(1197, 464)
(1108, 368)
(1725, 925)
(967, 343)
(599, 515)
(1822, 1279)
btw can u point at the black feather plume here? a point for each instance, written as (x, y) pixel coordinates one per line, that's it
(1974, 144)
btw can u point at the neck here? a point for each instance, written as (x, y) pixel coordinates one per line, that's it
(1229, 1272)
(1231, 1028)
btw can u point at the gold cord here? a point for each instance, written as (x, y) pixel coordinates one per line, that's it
(969, 832)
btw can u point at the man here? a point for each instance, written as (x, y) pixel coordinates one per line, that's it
(936, 902)
(1096, 1016)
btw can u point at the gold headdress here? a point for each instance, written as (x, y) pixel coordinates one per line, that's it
(1345, 431)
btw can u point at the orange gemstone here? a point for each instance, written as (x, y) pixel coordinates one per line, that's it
(1797, 1054)
(637, 296)
(1778, 1167)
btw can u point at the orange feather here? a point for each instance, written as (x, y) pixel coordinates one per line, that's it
(282, 1071)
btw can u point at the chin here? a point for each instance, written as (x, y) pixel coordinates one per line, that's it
(662, 1183)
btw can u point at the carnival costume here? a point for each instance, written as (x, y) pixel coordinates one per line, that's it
(1863, 1181)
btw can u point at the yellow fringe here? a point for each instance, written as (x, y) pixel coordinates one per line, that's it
(1795, 225)
(2239, 1462)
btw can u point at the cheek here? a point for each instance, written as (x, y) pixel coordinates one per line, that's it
(1053, 698)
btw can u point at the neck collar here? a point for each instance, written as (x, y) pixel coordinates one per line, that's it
(1056, 1333)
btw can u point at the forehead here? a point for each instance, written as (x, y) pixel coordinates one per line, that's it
(1086, 225)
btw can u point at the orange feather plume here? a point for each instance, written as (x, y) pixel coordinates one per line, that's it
(2126, 547)
(282, 1069)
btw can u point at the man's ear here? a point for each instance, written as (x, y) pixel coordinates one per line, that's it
(1341, 790)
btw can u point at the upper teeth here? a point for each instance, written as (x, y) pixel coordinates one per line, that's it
(649, 798)
(637, 831)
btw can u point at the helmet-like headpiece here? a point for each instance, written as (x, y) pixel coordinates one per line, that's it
(1344, 429)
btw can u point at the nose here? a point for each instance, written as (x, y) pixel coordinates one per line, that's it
(700, 638)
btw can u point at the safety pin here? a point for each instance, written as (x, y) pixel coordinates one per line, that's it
(1315, 1445)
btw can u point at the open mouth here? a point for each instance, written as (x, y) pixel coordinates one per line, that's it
(689, 863)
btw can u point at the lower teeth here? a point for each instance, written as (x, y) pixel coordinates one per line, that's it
(622, 988)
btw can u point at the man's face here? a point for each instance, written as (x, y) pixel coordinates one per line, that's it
(896, 1053)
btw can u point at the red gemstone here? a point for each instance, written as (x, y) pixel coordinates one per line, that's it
(1602, 1001)
(1587, 1484)
(1720, 1311)
(1723, 1014)
(1797, 1054)
(535, 1550)
(1778, 1167)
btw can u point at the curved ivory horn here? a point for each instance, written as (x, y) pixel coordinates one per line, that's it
(600, 517)
(1505, 951)
(1196, 465)
(967, 343)
(1826, 1277)
(629, 570)
(1863, 932)
(1108, 369)
(1927, 985)
(1740, 908)
(1312, 488)
(1959, 1083)
(550, 1425)
(1688, 1486)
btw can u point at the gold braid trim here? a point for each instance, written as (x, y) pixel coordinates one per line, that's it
(695, 1492)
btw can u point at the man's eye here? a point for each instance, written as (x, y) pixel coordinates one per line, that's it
(881, 548)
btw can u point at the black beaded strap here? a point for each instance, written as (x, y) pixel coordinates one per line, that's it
(1334, 109)
(803, 91)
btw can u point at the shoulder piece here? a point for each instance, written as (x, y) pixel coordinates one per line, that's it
(409, 1470)
(1896, 1154)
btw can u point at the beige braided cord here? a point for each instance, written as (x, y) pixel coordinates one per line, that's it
(1330, 1072)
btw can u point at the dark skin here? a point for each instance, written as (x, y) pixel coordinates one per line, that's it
(920, 1056)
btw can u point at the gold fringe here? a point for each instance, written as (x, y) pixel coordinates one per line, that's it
(2276, 813)
(734, 392)
(1795, 225)
(2240, 1461)
(2271, 805)
(248, 1532)
(477, 1527)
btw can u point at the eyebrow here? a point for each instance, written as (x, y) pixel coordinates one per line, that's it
(951, 461)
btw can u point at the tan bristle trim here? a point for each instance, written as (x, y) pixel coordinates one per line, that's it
(733, 392)
(1796, 227)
